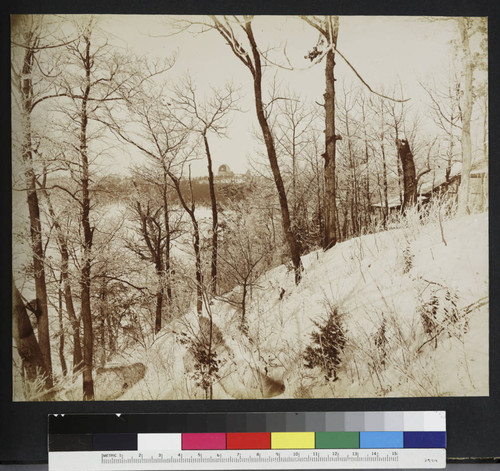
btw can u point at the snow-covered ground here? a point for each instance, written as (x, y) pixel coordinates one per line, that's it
(381, 281)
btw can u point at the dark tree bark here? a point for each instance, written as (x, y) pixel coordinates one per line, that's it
(62, 358)
(330, 237)
(152, 234)
(66, 284)
(215, 217)
(409, 174)
(385, 183)
(328, 27)
(254, 64)
(271, 153)
(33, 205)
(190, 209)
(166, 216)
(85, 275)
(26, 342)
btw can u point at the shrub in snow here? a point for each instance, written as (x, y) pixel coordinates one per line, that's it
(202, 346)
(440, 315)
(428, 315)
(327, 345)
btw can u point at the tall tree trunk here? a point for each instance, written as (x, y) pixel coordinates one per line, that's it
(330, 30)
(26, 342)
(449, 162)
(271, 154)
(85, 279)
(102, 321)
(401, 182)
(34, 212)
(68, 295)
(330, 236)
(166, 215)
(196, 241)
(386, 186)
(199, 277)
(367, 162)
(409, 174)
(159, 293)
(62, 358)
(354, 179)
(70, 309)
(464, 188)
(215, 221)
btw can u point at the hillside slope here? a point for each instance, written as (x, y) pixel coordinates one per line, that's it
(384, 286)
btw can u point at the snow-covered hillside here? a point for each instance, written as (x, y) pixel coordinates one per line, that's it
(382, 285)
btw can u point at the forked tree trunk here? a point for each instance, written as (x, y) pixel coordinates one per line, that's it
(34, 210)
(26, 342)
(66, 285)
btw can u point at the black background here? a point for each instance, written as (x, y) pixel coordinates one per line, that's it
(473, 424)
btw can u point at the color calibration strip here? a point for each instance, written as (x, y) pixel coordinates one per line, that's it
(247, 441)
(392, 421)
(289, 440)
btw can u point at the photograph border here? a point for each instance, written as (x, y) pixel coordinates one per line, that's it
(473, 423)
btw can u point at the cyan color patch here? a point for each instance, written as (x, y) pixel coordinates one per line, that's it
(381, 440)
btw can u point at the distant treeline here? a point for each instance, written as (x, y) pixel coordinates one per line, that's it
(114, 189)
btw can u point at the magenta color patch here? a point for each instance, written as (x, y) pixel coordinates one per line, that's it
(203, 441)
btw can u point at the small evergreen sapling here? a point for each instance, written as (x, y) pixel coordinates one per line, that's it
(380, 340)
(327, 345)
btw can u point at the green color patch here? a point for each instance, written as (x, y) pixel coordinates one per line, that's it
(334, 440)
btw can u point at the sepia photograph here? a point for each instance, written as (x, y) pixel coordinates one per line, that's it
(249, 207)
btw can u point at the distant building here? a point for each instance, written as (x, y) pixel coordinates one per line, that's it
(224, 172)
(436, 184)
(478, 191)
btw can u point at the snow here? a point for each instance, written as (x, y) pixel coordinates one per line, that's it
(376, 278)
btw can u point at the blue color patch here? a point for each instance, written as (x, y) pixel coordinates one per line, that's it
(381, 439)
(425, 439)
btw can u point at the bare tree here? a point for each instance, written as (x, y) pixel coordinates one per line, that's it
(34, 84)
(95, 77)
(164, 138)
(446, 110)
(244, 256)
(65, 283)
(328, 27)
(152, 215)
(295, 129)
(239, 36)
(208, 116)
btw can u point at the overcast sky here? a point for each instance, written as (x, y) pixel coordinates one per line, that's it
(383, 49)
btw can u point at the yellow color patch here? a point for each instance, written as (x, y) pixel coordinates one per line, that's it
(292, 440)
